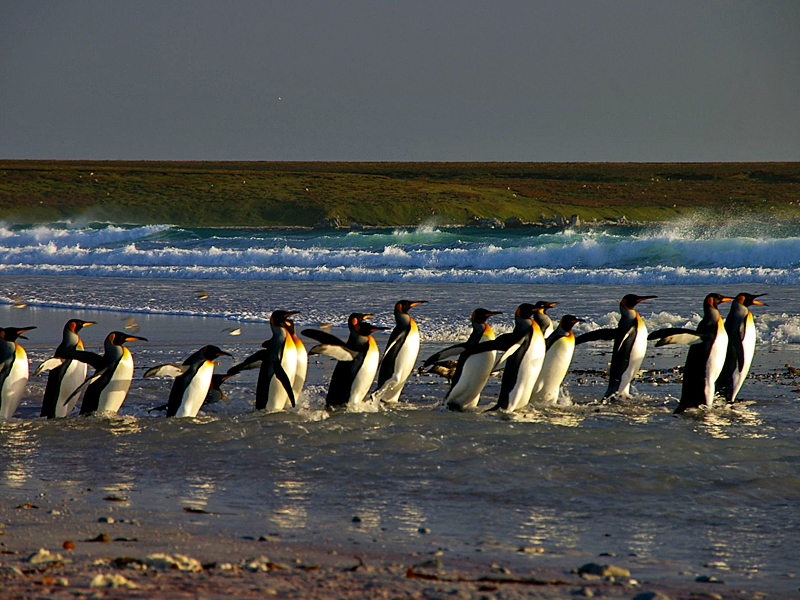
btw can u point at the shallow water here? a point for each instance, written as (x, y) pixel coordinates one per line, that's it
(713, 493)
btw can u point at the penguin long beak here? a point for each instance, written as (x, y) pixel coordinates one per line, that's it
(490, 313)
(130, 338)
(726, 299)
(365, 317)
(21, 329)
(417, 303)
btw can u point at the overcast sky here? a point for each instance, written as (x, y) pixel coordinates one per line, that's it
(406, 80)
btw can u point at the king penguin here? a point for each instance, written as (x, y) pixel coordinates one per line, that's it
(400, 354)
(192, 381)
(741, 345)
(706, 356)
(630, 345)
(560, 347)
(65, 378)
(278, 364)
(13, 369)
(358, 360)
(473, 370)
(108, 386)
(523, 351)
(542, 319)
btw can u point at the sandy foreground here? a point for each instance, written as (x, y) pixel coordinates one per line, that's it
(82, 560)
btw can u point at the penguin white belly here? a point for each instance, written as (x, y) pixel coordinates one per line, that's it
(635, 361)
(366, 374)
(748, 348)
(403, 365)
(195, 393)
(715, 362)
(113, 395)
(300, 371)
(475, 373)
(14, 385)
(75, 375)
(278, 397)
(529, 370)
(554, 369)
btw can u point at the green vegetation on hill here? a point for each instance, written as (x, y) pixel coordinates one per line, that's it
(275, 194)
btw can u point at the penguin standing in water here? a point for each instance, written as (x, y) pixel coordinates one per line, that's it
(278, 364)
(301, 370)
(473, 370)
(706, 356)
(65, 378)
(358, 360)
(107, 387)
(560, 347)
(400, 355)
(13, 369)
(630, 345)
(542, 319)
(192, 381)
(523, 350)
(741, 345)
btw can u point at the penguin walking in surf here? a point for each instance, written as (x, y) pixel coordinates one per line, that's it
(741, 345)
(358, 360)
(108, 386)
(706, 357)
(192, 381)
(560, 347)
(630, 345)
(472, 370)
(542, 318)
(523, 352)
(13, 369)
(278, 364)
(67, 376)
(400, 354)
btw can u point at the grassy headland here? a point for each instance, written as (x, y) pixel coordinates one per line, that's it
(275, 194)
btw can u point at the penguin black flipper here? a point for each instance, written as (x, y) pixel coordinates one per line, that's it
(323, 337)
(677, 335)
(396, 341)
(445, 354)
(281, 376)
(49, 365)
(605, 334)
(167, 370)
(94, 360)
(329, 345)
(251, 362)
(692, 395)
(89, 381)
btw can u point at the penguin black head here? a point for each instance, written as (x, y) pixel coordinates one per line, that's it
(404, 305)
(714, 300)
(525, 311)
(75, 325)
(544, 306)
(746, 299)
(630, 300)
(279, 317)
(479, 315)
(568, 321)
(118, 338)
(290, 327)
(212, 352)
(355, 318)
(11, 334)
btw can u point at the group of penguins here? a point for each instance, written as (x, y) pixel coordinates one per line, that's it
(536, 356)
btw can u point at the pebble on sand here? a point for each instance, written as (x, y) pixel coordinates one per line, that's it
(112, 581)
(44, 556)
(177, 562)
(603, 570)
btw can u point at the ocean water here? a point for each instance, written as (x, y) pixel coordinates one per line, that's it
(714, 493)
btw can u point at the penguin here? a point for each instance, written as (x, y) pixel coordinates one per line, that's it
(560, 347)
(542, 319)
(13, 369)
(65, 378)
(524, 351)
(358, 360)
(301, 370)
(400, 354)
(192, 381)
(630, 345)
(278, 364)
(108, 386)
(706, 356)
(472, 370)
(741, 345)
